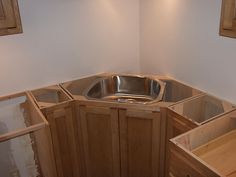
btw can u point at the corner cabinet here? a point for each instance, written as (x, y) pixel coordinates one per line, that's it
(228, 18)
(10, 22)
(119, 142)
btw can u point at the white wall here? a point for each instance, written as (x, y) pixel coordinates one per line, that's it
(66, 39)
(180, 38)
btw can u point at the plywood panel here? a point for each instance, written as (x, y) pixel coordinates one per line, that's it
(220, 150)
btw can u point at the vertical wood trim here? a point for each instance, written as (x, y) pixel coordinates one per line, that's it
(163, 147)
(85, 139)
(115, 142)
(123, 143)
(55, 142)
(72, 141)
(156, 143)
(80, 141)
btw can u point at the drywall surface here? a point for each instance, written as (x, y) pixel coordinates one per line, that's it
(68, 39)
(180, 39)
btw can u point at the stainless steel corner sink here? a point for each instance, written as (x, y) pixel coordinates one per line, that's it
(126, 88)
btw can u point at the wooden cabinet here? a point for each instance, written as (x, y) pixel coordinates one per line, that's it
(58, 109)
(119, 142)
(63, 132)
(25, 143)
(10, 22)
(176, 125)
(139, 143)
(192, 113)
(206, 151)
(228, 18)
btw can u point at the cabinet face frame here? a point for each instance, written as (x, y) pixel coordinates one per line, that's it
(228, 18)
(10, 22)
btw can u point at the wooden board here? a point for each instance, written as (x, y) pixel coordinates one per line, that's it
(220, 153)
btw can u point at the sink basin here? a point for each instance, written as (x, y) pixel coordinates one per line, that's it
(127, 89)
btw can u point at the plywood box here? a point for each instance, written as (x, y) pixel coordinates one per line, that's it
(25, 147)
(191, 113)
(202, 109)
(208, 150)
(59, 111)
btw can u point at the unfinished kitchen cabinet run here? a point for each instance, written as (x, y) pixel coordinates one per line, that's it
(228, 18)
(10, 22)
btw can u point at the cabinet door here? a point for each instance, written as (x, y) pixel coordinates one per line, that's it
(228, 18)
(139, 143)
(9, 17)
(62, 127)
(100, 139)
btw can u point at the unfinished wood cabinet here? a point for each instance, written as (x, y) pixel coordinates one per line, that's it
(58, 109)
(207, 151)
(192, 113)
(25, 143)
(10, 22)
(228, 18)
(100, 139)
(139, 142)
(119, 142)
